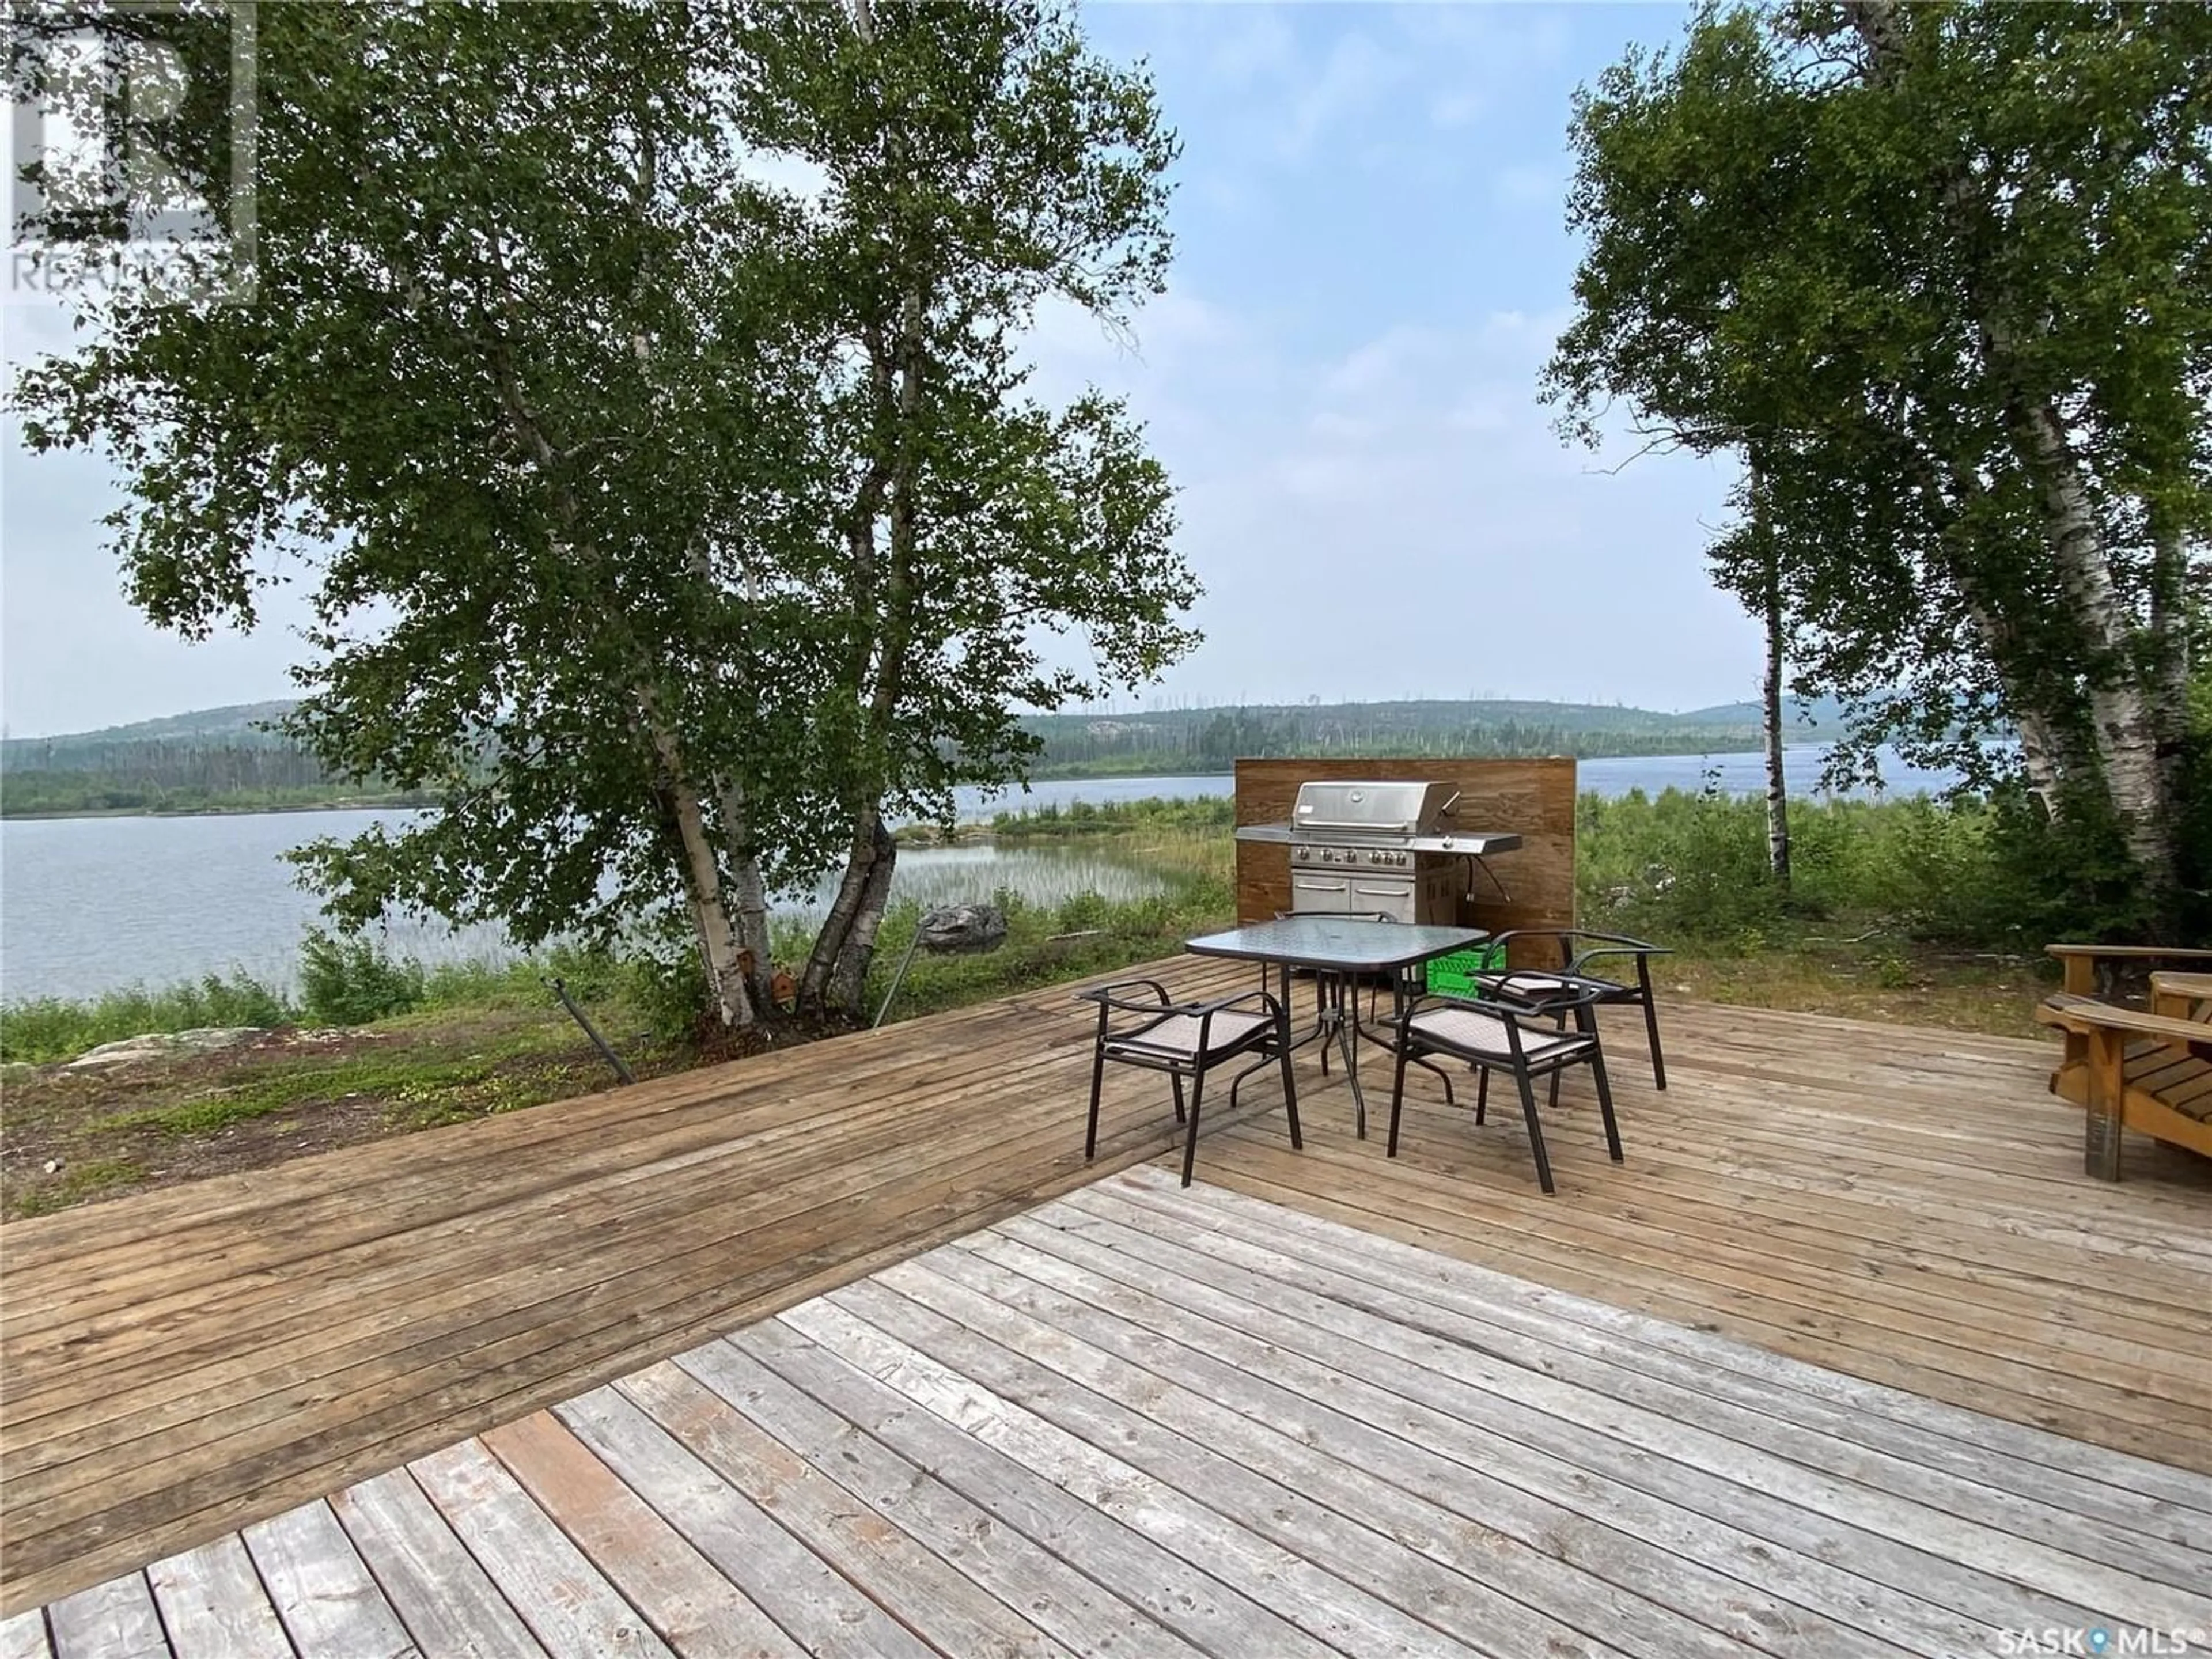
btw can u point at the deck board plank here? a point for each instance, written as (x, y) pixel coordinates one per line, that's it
(1432, 1551)
(322, 1589)
(822, 1611)
(560, 1592)
(1395, 1279)
(697, 1611)
(1627, 1401)
(908, 1579)
(1136, 1565)
(117, 1620)
(1482, 1429)
(1077, 1611)
(439, 1590)
(213, 1605)
(24, 1636)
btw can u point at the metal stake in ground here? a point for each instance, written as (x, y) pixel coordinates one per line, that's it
(599, 1042)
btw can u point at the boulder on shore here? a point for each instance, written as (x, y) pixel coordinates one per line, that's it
(162, 1045)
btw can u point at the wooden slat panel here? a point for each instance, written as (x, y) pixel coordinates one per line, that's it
(214, 1606)
(1533, 799)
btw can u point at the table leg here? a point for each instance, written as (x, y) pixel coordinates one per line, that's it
(1348, 1037)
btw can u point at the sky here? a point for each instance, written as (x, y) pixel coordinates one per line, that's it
(1372, 264)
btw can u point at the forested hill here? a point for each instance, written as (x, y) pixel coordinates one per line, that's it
(225, 759)
(1211, 739)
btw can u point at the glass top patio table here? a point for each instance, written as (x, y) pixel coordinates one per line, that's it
(1340, 948)
(1340, 944)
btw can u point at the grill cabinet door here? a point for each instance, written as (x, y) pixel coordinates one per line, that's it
(1382, 896)
(1317, 895)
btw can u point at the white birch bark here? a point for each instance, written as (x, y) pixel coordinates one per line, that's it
(2124, 718)
(719, 948)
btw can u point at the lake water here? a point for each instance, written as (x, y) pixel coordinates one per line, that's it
(92, 904)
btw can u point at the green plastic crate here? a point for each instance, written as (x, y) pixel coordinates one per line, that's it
(1454, 975)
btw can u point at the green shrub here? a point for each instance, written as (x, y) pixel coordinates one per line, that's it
(353, 981)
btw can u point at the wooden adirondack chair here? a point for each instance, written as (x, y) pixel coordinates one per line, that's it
(2151, 1072)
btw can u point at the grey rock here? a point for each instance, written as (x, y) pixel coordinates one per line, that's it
(962, 927)
(157, 1045)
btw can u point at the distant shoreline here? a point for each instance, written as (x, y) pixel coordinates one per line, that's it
(339, 804)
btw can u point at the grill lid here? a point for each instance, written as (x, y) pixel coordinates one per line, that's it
(1332, 809)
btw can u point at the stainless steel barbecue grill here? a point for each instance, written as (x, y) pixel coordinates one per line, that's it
(1391, 849)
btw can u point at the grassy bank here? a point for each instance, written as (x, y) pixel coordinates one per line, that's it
(369, 1046)
(1910, 911)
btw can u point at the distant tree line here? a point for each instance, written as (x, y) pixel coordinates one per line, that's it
(1214, 741)
(251, 770)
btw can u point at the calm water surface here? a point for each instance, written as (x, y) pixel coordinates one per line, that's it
(92, 904)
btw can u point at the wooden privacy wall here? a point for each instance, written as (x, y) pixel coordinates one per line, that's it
(1534, 798)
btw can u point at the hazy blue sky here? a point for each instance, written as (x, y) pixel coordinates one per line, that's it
(1372, 264)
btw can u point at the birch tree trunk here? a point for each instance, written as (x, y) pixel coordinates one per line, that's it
(2124, 720)
(719, 948)
(848, 980)
(1777, 786)
(749, 892)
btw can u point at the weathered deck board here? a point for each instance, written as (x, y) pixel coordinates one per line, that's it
(1150, 1420)
(213, 1605)
(1903, 1206)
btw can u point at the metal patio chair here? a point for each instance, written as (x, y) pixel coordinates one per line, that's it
(1528, 1038)
(1188, 1040)
(1572, 977)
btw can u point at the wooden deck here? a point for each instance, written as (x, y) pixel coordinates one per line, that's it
(1905, 1207)
(1146, 1421)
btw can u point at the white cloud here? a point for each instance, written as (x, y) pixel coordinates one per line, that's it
(1356, 73)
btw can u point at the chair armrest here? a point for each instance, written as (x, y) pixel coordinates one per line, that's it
(2082, 961)
(2084, 1014)
(1218, 1005)
(1607, 944)
(1105, 994)
(1616, 945)
(1517, 1005)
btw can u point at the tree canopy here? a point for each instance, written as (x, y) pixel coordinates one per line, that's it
(674, 525)
(1943, 275)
